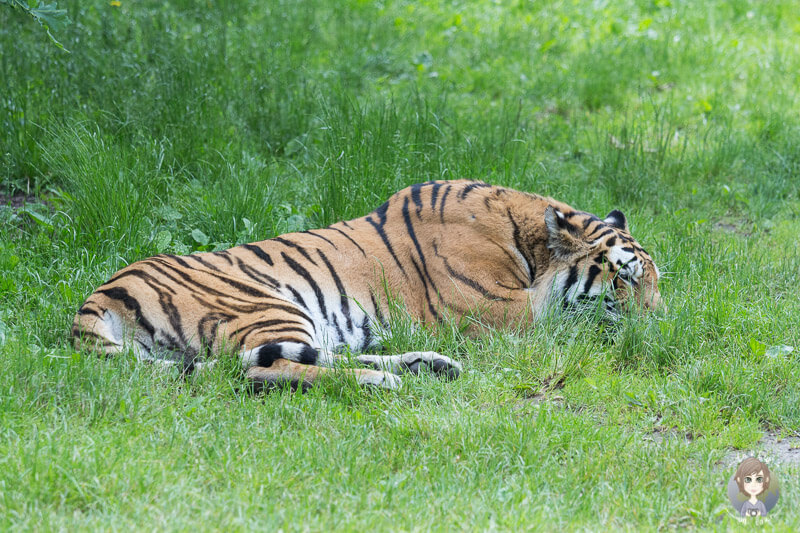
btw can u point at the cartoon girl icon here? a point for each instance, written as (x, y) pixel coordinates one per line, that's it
(752, 477)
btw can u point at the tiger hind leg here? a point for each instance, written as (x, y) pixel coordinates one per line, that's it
(299, 364)
(285, 371)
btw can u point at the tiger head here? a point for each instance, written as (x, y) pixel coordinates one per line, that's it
(598, 260)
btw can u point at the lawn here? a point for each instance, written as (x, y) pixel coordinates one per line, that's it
(184, 126)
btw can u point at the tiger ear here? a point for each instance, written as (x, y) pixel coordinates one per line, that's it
(563, 238)
(617, 219)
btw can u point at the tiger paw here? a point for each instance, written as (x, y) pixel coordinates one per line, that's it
(376, 378)
(441, 365)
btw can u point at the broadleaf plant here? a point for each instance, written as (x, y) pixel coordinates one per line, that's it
(48, 15)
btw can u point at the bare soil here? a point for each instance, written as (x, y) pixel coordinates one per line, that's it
(15, 201)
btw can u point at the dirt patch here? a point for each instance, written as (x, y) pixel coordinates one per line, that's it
(15, 201)
(664, 434)
(773, 448)
(742, 228)
(784, 451)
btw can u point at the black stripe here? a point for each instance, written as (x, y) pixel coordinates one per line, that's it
(469, 188)
(339, 332)
(594, 270)
(260, 307)
(290, 329)
(297, 297)
(309, 232)
(168, 343)
(518, 244)
(234, 305)
(308, 356)
(225, 254)
(256, 275)
(416, 198)
(158, 264)
(513, 260)
(468, 281)
(381, 212)
(245, 288)
(297, 267)
(473, 284)
(267, 354)
(296, 247)
(589, 220)
(212, 321)
(351, 240)
(367, 329)
(121, 294)
(572, 278)
(435, 194)
(343, 299)
(238, 285)
(444, 201)
(569, 226)
(83, 311)
(427, 295)
(261, 254)
(149, 279)
(263, 324)
(174, 316)
(202, 262)
(410, 228)
(178, 259)
(607, 231)
(378, 312)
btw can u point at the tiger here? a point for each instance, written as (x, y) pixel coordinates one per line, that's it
(293, 307)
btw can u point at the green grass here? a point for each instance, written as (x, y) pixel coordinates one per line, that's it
(188, 126)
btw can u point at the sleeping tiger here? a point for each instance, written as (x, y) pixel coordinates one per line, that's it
(287, 305)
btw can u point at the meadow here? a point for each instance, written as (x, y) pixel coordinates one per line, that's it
(183, 126)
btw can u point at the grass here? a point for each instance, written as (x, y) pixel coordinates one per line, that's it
(182, 126)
